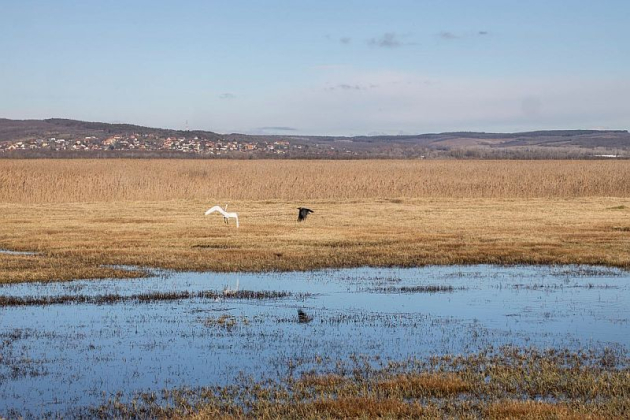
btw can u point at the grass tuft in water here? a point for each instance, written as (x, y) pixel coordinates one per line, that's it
(141, 298)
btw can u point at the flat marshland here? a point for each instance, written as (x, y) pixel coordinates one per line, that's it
(363, 342)
(82, 218)
(430, 314)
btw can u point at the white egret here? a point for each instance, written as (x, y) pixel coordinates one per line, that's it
(225, 214)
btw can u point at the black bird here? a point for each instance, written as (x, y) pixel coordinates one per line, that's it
(303, 213)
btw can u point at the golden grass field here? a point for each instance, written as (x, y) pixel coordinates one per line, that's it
(82, 215)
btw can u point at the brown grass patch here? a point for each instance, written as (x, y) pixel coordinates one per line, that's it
(378, 213)
(424, 385)
(513, 409)
(330, 381)
(358, 407)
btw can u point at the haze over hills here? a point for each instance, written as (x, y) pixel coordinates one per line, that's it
(57, 137)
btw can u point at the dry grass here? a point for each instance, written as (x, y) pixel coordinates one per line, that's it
(423, 385)
(81, 215)
(578, 386)
(526, 410)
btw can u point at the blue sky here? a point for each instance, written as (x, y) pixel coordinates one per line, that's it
(319, 67)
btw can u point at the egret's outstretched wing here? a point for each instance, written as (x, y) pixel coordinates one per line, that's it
(215, 208)
(225, 214)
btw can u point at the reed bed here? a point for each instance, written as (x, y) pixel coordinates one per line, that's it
(61, 181)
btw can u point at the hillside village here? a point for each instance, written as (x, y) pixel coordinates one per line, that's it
(72, 138)
(152, 142)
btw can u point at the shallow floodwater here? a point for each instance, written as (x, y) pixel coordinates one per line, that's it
(54, 358)
(10, 252)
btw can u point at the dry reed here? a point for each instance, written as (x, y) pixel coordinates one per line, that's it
(60, 181)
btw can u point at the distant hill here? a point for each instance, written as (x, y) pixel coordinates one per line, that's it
(59, 127)
(40, 138)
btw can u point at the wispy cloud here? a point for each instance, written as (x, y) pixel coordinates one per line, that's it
(450, 36)
(387, 40)
(447, 35)
(280, 128)
(350, 87)
(344, 86)
(345, 40)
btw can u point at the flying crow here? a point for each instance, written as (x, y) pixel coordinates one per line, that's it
(303, 213)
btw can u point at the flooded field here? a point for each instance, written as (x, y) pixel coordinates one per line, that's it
(10, 252)
(77, 344)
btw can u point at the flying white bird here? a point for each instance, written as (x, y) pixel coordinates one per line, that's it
(225, 219)
(225, 214)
